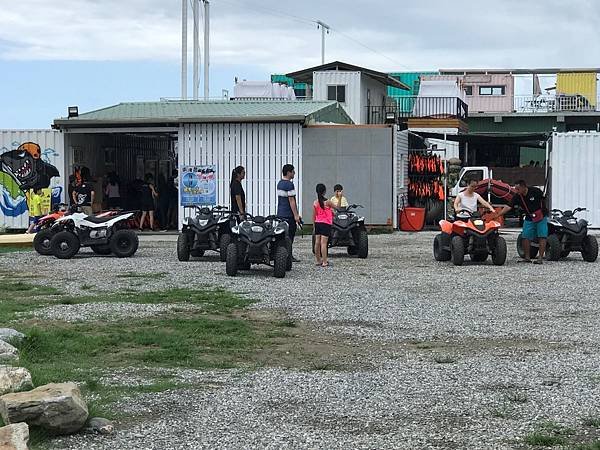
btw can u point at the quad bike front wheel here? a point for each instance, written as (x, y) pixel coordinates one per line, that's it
(439, 252)
(457, 247)
(41, 241)
(589, 248)
(224, 242)
(553, 248)
(280, 261)
(362, 249)
(101, 249)
(499, 252)
(533, 249)
(65, 245)
(124, 243)
(352, 250)
(183, 247)
(231, 260)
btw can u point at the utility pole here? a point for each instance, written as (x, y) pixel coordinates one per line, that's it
(195, 6)
(206, 48)
(184, 49)
(324, 27)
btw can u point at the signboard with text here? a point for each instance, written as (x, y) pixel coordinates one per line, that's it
(198, 185)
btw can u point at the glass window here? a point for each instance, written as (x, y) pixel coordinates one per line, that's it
(469, 90)
(336, 92)
(331, 93)
(492, 90)
(471, 175)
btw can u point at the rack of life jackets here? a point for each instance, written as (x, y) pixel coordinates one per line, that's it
(426, 177)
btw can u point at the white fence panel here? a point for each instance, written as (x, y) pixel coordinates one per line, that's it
(262, 148)
(13, 204)
(575, 163)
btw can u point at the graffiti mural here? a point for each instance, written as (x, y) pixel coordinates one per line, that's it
(26, 167)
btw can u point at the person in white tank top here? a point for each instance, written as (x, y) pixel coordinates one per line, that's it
(469, 200)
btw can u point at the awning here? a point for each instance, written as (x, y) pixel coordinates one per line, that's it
(525, 139)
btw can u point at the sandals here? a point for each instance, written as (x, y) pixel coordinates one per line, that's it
(538, 261)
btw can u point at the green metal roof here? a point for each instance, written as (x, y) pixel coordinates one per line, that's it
(174, 112)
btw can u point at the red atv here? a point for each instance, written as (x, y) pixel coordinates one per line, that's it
(473, 236)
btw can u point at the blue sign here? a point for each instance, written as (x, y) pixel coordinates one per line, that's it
(198, 185)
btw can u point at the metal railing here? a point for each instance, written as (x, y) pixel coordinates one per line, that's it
(418, 107)
(532, 104)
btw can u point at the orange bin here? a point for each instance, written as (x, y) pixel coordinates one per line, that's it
(411, 219)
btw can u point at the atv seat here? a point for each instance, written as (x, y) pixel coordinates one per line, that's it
(96, 219)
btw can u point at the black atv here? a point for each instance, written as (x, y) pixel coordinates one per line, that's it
(260, 240)
(209, 230)
(566, 234)
(348, 230)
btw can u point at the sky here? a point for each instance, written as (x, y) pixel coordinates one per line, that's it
(95, 53)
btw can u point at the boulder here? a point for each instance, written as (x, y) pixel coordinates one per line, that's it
(99, 425)
(10, 335)
(14, 437)
(8, 352)
(57, 408)
(14, 379)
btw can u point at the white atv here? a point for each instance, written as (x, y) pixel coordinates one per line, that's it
(104, 235)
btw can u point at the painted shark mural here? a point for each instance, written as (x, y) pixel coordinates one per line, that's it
(26, 167)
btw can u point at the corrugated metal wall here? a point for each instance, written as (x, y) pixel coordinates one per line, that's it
(13, 205)
(262, 148)
(575, 165)
(351, 80)
(578, 83)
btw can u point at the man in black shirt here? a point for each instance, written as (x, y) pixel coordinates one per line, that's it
(533, 202)
(238, 196)
(83, 197)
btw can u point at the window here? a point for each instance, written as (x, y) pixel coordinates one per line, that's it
(300, 92)
(336, 92)
(469, 90)
(492, 90)
(470, 175)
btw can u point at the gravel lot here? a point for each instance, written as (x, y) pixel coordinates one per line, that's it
(472, 357)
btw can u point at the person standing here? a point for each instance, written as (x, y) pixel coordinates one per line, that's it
(533, 202)
(35, 208)
(112, 192)
(322, 220)
(236, 191)
(83, 195)
(287, 207)
(148, 194)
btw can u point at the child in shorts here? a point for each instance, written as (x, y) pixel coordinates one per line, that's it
(322, 219)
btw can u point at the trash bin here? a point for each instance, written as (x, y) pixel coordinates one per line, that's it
(411, 219)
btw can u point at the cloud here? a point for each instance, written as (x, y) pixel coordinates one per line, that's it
(385, 35)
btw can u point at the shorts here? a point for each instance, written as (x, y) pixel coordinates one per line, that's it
(532, 230)
(322, 229)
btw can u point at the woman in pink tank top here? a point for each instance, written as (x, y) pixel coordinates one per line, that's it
(322, 219)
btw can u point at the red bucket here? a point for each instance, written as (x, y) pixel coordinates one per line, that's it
(412, 219)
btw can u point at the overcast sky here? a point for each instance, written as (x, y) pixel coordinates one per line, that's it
(94, 53)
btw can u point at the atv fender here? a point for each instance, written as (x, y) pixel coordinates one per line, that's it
(446, 226)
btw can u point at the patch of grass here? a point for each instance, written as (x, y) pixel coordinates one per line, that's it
(502, 412)
(516, 397)
(288, 323)
(444, 359)
(549, 434)
(10, 249)
(591, 422)
(589, 446)
(87, 287)
(145, 276)
(17, 297)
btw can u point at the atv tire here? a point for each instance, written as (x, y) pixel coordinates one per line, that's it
(457, 247)
(553, 248)
(565, 253)
(479, 257)
(362, 249)
(224, 242)
(589, 248)
(499, 252)
(124, 243)
(280, 261)
(101, 249)
(533, 251)
(352, 251)
(183, 247)
(439, 253)
(65, 245)
(198, 253)
(41, 241)
(231, 260)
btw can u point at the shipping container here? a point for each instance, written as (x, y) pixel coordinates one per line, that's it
(581, 83)
(575, 165)
(30, 159)
(351, 81)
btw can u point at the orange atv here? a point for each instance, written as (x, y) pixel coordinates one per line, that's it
(472, 235)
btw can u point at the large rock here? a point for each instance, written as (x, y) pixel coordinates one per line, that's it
(10, 335)
(8, 352)
(14, 379)
(14, 437)
(58, 408)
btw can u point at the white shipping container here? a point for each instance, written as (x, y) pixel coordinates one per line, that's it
(352, 82)
(575, 163)
(13, 204)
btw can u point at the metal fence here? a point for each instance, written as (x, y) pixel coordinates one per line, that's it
(417, 106)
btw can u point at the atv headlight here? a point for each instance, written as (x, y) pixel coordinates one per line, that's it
(342, 216)
(203, 222)
(256, 229)
(235, 229)
(279, 230)
(478, 222)
(361, 219)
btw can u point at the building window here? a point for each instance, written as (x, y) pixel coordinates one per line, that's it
(492, 90)
(336, 92)
(300, 92)
(469, 90)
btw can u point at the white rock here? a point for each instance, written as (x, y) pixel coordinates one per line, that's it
(8, 334)
(8, 352)
(14, 437)
(14, 379)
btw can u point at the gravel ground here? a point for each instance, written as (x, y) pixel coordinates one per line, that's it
(479, 354)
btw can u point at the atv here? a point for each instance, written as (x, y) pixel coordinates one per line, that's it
(260, 240)
(471, 235)
(209, 230)
(103, 234)
(566, 234)
(348, 230)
